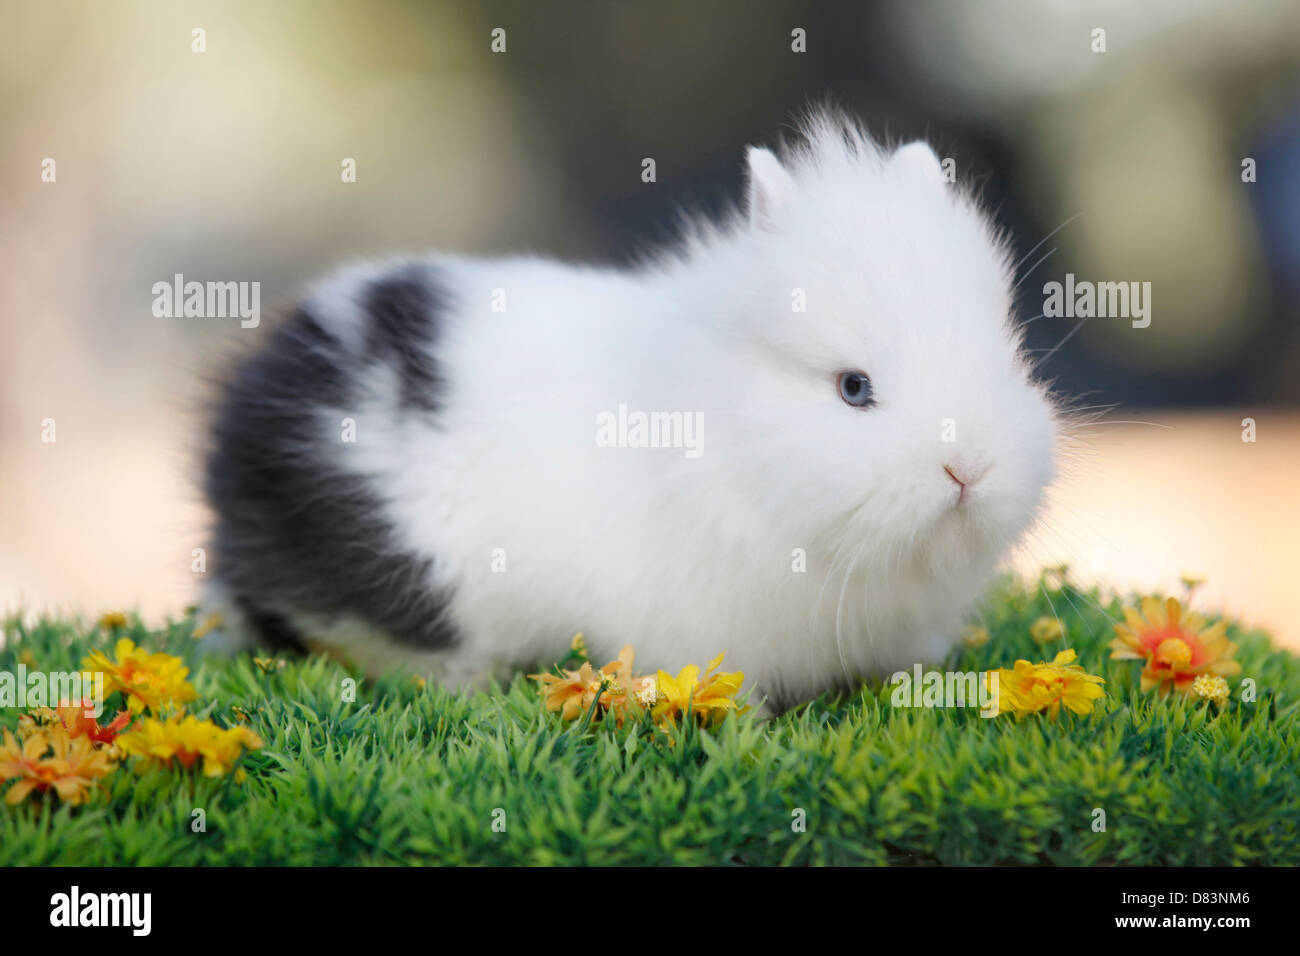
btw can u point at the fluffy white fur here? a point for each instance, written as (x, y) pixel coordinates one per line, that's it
(685, 557)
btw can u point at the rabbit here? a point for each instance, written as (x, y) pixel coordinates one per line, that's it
(804, 435)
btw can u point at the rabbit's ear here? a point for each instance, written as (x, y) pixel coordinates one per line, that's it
(770, 187)
(918, 162)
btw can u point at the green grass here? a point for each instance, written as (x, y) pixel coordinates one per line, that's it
(417, 776)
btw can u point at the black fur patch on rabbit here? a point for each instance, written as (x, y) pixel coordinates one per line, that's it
(297, 533)
(401, 312)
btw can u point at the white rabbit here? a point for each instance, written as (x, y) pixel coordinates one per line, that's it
(447, 465)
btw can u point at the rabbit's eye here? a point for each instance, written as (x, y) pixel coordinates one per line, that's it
(855, 389)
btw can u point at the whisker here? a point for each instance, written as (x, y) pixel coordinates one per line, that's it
(1087, 408)
(839, 612)
(1066, 594)
(1038, 245)
(1042, 587)
(1115, 422)
(1041, 259)
(1067, 338)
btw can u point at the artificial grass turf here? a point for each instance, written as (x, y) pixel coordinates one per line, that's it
(411, 775)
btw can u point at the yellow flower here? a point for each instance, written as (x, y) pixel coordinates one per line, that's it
(1176, 646)
(976, 637)
(573, 693)
(207, 626)
(35, 720)
(268, 664)
(184, 739)
(1211, 688)
(1046, 629)
(112, 621)
(708, 698)
(149, 681)
(1029, 688)
(50, 759)
(648, 692)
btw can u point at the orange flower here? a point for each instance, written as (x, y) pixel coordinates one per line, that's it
(572, 693)
(52, 760)
(78, 724)
(565, 692)
(1176, 646)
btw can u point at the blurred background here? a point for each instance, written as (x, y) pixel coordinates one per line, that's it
(226, 165)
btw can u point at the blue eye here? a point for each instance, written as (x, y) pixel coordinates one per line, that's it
(855, 389)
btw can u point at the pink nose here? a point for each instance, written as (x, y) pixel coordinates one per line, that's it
(966, 472)
(965, 476)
